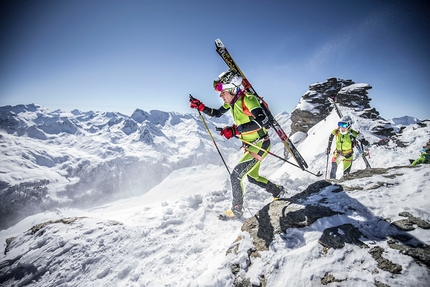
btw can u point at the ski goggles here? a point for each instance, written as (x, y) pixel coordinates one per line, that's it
(218, 86)
(343, 125)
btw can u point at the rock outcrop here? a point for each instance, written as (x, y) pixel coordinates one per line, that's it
(321, 201)
(315, 106)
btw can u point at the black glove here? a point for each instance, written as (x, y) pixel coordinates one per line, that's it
(365, 142)
(328, 151)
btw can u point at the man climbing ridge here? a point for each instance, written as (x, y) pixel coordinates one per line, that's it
(424, 157)
(345, 141)
(250, 122)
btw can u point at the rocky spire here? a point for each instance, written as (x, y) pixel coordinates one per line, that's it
(314, 105)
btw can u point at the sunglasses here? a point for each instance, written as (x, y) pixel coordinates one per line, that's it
(343, 125)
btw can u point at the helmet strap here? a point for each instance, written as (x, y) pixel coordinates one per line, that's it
(238, 94)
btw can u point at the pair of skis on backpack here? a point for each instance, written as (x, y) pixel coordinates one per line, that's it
(225, 55)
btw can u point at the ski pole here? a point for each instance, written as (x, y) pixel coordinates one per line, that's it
(363, 155)
(326, 166)
(275, 155)
(210, 134)
(281, 158)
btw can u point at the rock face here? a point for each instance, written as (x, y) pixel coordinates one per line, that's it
(315, 106)
(277, 217)
(320, 201)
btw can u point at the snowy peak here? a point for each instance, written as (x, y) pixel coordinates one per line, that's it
(355, 96)
(35, 121)
(351, 98)
(405, 121)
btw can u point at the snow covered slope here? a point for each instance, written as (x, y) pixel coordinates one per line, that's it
(170, 235)
(56, 159)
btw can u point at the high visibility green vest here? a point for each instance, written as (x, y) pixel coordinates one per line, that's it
(345, 142)
(241, 115)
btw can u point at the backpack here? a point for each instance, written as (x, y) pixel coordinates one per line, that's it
(264, 106)
(427, 158)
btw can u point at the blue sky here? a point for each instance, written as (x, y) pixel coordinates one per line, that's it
(122, 55)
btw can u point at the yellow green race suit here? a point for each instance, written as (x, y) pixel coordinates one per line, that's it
(250, 121)
(344, 150)
(424, 158)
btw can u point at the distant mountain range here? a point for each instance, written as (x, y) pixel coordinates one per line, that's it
(55, 158)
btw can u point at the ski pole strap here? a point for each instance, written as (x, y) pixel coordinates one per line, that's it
(255, 155)
(262, 139)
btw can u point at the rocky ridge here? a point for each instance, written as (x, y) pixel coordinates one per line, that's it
(382, 237)
(346, 94)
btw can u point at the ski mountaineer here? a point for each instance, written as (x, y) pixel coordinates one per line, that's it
(424, 157)
(249, 125)
(345, 141)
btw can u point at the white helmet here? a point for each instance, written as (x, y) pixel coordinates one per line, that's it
(228, 80)
(346, 119)
(344, 124)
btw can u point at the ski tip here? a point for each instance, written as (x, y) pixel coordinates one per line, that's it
(219, 43)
